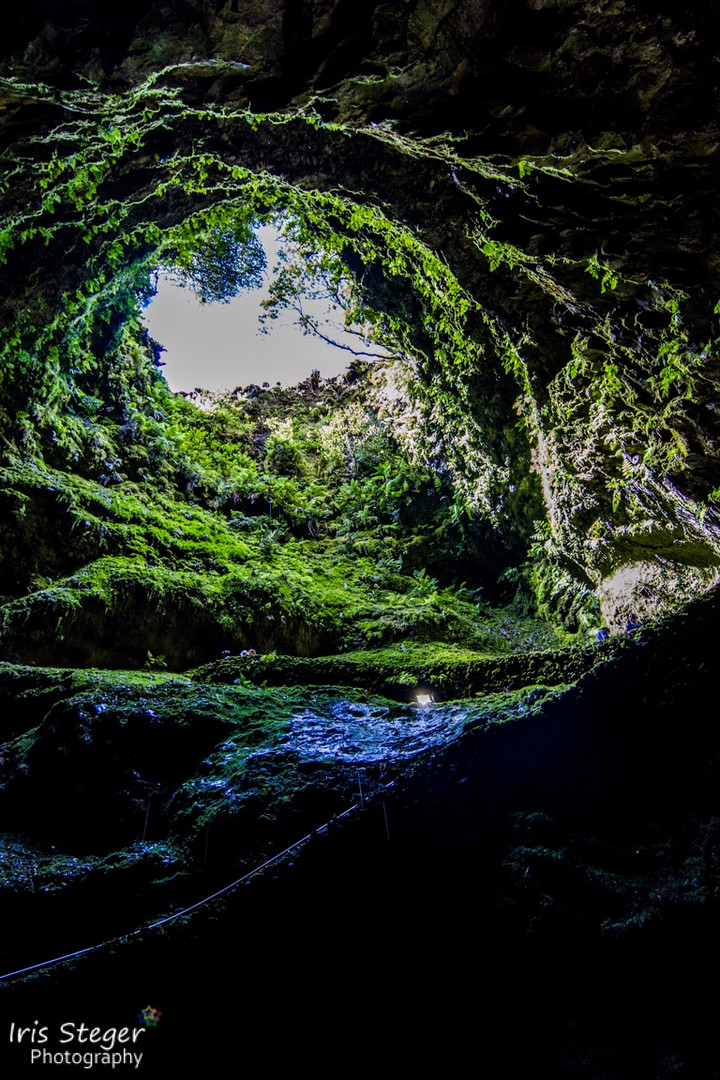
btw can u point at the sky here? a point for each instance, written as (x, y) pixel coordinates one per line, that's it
(220, 346)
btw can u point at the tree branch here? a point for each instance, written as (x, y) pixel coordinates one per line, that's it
(309, 325)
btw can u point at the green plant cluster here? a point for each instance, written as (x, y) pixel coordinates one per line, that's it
(289, 519)
(78, 207)
(137, 181)
(296, 522)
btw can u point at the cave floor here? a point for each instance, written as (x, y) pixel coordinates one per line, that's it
(524, 866)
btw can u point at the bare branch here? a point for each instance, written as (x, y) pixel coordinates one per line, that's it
(309, 325)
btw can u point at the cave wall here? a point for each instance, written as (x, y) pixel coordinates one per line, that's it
(557, 159)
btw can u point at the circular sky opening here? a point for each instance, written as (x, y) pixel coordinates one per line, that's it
(222, 344)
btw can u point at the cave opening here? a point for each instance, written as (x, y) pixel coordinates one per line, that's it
(220, 342)
(239, 492)
(506, 393)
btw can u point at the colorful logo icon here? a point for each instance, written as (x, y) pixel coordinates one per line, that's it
(149, 1017)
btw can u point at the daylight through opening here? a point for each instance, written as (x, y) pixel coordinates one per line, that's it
(249, 307)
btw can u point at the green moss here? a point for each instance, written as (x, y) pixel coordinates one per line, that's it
(401, 671)
(514, 356)
(221, 550)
